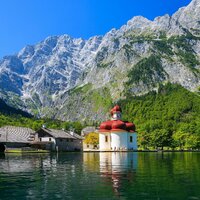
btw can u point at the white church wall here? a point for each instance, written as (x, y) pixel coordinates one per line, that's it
(135, 147)
(104, 141)
(119, 140)
(132, 144)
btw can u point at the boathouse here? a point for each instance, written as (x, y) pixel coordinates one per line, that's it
(57, 140)
(117, 135)
(12, 137)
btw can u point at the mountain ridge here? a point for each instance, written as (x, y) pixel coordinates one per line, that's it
(135, 58)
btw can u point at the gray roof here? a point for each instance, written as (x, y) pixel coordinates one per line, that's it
(16, 134)
(62, 134)
(77, 136)
(87, 130)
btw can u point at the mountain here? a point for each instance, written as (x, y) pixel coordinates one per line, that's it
(10, 111)
(76, 79)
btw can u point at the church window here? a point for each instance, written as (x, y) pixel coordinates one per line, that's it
(131, 138)
(106, 138)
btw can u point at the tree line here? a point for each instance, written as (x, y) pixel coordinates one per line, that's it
(168, 118)
(36, 124)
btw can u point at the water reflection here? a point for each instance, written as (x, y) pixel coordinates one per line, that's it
(2, 156)
(118, 167)
(15, 163)
(114, 167)
(100, 176)
(117, 162)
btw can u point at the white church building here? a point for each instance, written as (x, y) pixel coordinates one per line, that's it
(117, 135)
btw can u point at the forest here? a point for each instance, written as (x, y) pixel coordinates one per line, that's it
(168, 118)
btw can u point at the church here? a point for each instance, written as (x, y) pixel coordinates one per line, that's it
(117, 135)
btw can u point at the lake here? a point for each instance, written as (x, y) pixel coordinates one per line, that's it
(94, 176)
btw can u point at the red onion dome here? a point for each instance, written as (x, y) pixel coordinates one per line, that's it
(116, 109)
(130, 127)
(105, 126)
(118, 125)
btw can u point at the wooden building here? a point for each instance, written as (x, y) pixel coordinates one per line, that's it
(12, 137)
(57, 140)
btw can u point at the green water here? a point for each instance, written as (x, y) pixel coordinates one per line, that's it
(100, 176)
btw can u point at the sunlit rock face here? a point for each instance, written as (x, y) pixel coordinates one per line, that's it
(68, 78)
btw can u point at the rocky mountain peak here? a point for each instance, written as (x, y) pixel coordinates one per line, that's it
(136, 23)
(188, 17)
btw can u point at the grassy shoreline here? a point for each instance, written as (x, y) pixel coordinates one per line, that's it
(22, 151)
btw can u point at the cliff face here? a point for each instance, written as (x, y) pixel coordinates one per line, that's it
(76, 79)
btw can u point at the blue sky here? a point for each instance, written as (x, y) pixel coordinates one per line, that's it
(25, 22)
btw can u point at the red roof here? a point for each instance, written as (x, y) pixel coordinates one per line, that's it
(105, 126)
(130, 126)
(116, 125)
